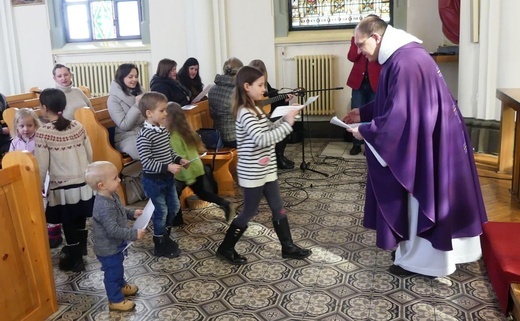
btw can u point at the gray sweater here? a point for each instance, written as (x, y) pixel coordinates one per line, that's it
(109, 229)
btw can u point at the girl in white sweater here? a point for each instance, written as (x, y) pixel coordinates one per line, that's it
(63, 149)
(256, 138)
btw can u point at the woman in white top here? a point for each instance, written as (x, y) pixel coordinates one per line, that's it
(75, 97)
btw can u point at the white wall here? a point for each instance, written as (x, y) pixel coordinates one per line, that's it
(214, 30)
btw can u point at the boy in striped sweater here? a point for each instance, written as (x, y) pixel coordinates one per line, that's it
(159, 164)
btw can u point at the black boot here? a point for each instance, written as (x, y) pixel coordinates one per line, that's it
(163, 247)
(73, 261)
(289, 249)
(178, 221)
(226, 249)
(230, 211)
(83, 234)
(281, 161)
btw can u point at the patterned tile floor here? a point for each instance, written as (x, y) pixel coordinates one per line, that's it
(345, 278)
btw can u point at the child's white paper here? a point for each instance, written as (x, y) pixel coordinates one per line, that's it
(188, 107)
(284, 110)
(200, 156)
(142, 221)
(202, 93)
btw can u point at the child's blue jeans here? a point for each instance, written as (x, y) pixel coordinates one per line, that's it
(164, 197)
(114, 279)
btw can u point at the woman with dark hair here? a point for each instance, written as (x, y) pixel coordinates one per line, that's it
(165, 82)
(189, 77)
(125, 93)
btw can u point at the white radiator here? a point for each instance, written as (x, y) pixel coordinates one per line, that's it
(314, 72)
(97, 76)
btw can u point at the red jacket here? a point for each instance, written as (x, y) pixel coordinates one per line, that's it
(358, 69)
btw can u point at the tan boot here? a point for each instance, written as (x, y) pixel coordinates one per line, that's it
(124, 306)
(129, 289)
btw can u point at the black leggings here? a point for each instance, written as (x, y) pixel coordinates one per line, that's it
(201, 189)
(71, 227)
(252, 197)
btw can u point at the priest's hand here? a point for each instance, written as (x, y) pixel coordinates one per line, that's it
(355, 132)
(352, 117)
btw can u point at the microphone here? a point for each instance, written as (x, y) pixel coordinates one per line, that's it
(271, 92)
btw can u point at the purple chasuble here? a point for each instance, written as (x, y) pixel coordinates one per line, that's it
(419, 132)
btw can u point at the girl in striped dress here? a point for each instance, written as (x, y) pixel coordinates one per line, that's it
(256, 138)
(63, 149)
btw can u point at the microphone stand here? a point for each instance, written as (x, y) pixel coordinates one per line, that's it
(301, 93)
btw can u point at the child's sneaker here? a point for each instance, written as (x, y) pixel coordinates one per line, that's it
(129, 289)
(124, 306)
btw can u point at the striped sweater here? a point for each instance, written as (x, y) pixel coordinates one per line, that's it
(256, 139)
(155, 152)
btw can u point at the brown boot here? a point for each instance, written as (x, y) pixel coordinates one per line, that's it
(124, 306)
(129, 289)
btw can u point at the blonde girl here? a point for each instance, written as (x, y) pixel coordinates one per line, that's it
(24, 128)
(186, 143)
(256, 138)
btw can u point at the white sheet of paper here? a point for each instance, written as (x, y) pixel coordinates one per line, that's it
(192, 160)
(188, 107)
(338, 122)
(283, 110)
(142, 221)
(203, 93)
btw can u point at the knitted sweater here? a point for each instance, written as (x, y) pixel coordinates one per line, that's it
(155, 152)
(256, 139)
(109, 231)
(65, 154)
(196, 168)
(75, 99)
(219, 98)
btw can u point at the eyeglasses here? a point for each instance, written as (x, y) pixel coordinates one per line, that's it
(360, 45)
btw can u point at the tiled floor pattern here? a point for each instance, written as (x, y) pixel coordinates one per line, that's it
(345, 278)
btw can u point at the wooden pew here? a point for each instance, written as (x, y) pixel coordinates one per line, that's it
(33, 103)
(101, 148)
(28, 286)
(33, 93)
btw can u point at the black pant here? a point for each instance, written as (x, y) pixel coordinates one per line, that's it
(202, 190)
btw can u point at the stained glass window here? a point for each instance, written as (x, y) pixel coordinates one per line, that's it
(335, 14)
(95, 20)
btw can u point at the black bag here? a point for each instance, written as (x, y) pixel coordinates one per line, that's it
(212, 140)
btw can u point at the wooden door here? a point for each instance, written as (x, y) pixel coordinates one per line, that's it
(27, 289)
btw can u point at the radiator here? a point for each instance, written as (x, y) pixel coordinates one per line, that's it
(314, 72)
(97, 76)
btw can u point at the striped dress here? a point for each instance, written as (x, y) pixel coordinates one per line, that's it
(256, 139)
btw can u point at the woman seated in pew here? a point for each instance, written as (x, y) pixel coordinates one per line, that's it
(125, 93)
(189, 77)
(165, 81)
(219, 97)
(75, 97)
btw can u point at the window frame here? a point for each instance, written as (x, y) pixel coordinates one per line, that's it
(118, 37)
(330, 27)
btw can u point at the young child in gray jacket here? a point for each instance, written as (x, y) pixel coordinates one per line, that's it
(110, 234)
